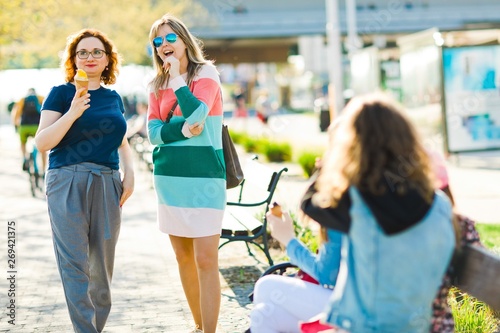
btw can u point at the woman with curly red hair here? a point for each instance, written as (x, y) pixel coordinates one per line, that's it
(85, 133)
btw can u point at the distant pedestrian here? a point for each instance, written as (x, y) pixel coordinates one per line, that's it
(189, 170)
(264, 106)
(85, 133)
(240, 108)
(26, 117)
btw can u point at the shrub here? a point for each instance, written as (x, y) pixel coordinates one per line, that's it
(305, 234)
(237, 137)
(250, 144)
(307, 161)
(278, 152)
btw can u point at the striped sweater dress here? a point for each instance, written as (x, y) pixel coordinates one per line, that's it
(189, 172)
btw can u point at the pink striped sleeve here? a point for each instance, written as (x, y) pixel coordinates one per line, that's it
(207, 89)
(159, 107)
(153, 107)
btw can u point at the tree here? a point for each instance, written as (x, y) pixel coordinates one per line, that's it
(33, 32)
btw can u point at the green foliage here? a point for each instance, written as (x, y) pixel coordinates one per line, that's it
(490, 236)
(278, 152)
(237, 137)
(305, 234)
(274, 151)
(32, 33)
(471, 315)
(307, 161)
(254, 145)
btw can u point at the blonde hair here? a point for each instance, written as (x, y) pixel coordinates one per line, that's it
(194, 50)
(375, 148)
(110, 74)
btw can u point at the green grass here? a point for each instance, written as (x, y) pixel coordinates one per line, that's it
(471, 316)
(490, 236)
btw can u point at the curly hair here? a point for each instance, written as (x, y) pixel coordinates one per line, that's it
(376, 148)
(194, 50)
(110, 74)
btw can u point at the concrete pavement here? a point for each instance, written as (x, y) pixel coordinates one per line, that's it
(146, 289)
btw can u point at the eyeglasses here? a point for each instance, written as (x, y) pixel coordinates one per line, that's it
(171, 38)
(96, 54)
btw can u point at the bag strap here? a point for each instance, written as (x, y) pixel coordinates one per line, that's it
(171, 112)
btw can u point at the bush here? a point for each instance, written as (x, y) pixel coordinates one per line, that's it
(278, 152)
(307, 161)
(305, 234)
(237, 137)
(250, 144)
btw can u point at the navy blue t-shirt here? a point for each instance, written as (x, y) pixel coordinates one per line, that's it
(96, 135)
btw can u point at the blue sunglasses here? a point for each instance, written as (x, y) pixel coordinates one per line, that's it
(171, 38)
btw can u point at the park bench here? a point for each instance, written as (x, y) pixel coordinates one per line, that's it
(245, 216)
(476, 273)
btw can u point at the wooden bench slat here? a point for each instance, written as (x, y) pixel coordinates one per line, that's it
(478, 275)
(238, 222)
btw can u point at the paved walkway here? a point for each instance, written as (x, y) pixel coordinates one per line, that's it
(147, 294)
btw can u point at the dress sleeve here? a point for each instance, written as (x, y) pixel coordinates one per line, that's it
(468, 230)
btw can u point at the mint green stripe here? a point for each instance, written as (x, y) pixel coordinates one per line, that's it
(154, 131)
(193, 192)
(199, 114)
(188, 161)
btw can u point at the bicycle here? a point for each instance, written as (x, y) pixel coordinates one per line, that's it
(32, 168)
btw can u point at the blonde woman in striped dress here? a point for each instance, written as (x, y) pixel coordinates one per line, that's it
(189, 169)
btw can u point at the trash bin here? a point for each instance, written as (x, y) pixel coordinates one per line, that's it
(322, 108)
(324, 120)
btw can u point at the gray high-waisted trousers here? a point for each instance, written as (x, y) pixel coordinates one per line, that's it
(85, 215)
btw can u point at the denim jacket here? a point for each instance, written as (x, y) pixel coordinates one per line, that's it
(324, 266)
(386, 283)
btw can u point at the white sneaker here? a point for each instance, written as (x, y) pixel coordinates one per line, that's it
(196, 331)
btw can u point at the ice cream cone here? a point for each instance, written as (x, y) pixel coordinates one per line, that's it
(81, 80)
(275, 209)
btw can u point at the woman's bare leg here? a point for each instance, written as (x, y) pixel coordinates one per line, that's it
(207, 261)
(184, 253)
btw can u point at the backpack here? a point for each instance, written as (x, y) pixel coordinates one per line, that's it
(31, 111)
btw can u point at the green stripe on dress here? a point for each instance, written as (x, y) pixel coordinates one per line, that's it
(189, 161)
